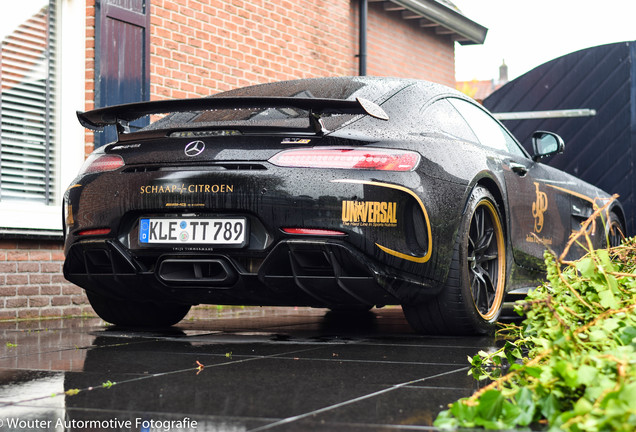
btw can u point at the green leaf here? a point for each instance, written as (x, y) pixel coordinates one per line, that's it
(582, 406)
(534, 372)
(628, 396)
(627, 335)
(490, 404)
(597, 335)
(611, 324)
(549, 407)
(108, 384)
(464, 412)
(567, 372)
(476, 361)
(527, 407)
(510, 414)
(587, 267)
(613, 284)
(608, 301)
(614, 407)
(445, 420)
(586, 375)
(605, 260)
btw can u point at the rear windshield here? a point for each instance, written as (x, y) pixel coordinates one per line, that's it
(293, 118)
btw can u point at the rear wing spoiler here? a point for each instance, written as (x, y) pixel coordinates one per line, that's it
(122, 115)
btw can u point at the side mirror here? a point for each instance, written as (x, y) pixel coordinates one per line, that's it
(546, 144)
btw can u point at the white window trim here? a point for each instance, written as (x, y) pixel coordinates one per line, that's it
(69, 139)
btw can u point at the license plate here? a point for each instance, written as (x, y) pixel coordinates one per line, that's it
(214, 231)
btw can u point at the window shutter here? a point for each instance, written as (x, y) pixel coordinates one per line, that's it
(27, 109)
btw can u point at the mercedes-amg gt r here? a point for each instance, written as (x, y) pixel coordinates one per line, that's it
(342, 193)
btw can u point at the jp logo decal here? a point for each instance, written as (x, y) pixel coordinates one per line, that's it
(539, 206)
(369, 213)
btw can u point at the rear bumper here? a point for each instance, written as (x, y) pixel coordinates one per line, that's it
(318, 273)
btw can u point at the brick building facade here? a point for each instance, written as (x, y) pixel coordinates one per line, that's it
(193, 48)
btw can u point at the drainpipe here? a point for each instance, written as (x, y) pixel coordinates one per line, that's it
(362, 56)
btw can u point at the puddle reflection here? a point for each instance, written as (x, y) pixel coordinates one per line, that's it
(342, 369)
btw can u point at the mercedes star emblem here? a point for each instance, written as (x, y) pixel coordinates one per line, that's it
(195, 148)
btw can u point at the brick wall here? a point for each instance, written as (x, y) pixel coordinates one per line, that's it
(32, 284)
(202, 47)
(199, 47)
(401, 48)
(89, 79)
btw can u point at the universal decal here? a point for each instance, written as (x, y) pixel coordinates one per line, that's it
(186, 189)
(369, 213)
(373, 209)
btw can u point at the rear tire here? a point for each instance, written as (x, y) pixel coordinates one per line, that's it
(615, 231)
(472, 298)
(130, 313)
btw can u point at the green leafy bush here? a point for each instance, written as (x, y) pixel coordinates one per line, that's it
(571, 364)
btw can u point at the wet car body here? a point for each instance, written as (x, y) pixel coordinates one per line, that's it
(296, 223)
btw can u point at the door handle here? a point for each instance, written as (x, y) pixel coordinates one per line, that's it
(518, 168)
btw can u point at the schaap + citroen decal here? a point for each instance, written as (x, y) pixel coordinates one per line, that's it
(186, 189)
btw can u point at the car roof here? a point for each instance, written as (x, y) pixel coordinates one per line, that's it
(376, 89)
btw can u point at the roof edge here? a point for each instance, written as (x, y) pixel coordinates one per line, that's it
(469, 32)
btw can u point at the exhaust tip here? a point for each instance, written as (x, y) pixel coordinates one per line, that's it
(213, 271)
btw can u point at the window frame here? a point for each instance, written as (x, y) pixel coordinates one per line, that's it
(505, 133)
(18, 216)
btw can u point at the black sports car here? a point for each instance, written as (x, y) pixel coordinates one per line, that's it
(344, 193)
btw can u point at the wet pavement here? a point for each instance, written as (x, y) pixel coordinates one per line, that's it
(232, 369)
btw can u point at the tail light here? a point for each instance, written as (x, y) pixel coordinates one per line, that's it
(97, 163)
(369, 159)
(313, 232)
(94, 232)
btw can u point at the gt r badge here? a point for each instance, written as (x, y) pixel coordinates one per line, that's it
(538, 208)
(295, 141)
(195, 148)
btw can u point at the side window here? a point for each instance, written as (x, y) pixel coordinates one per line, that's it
(441, 115)
(489, 132)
